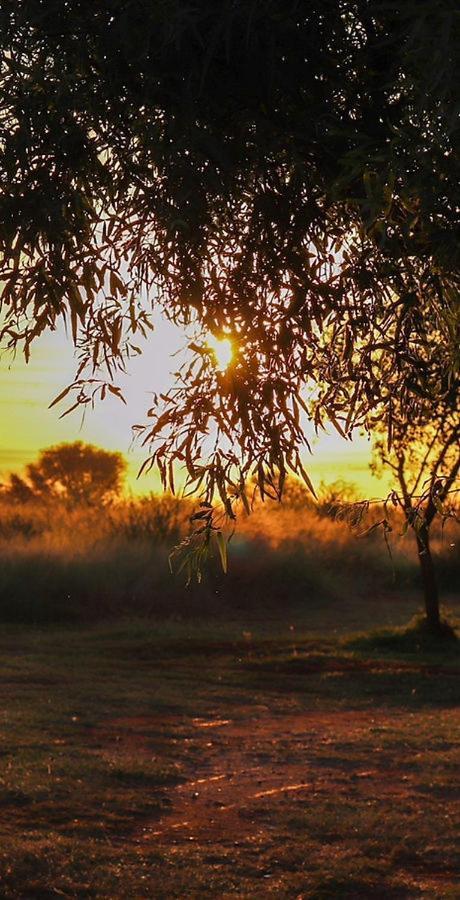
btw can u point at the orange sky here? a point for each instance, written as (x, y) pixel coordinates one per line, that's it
(28, 425)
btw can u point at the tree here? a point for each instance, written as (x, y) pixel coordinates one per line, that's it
(282, 173)
(75, 473)
(424, 456)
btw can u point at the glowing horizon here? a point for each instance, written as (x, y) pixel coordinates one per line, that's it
(27, 390)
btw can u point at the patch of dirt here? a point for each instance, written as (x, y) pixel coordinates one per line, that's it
(134, 733)
(246, 762)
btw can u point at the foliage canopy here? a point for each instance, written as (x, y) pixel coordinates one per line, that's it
(425, 458)
(284, 173)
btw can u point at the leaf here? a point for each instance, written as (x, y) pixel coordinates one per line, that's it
(74, 324)
(117, 392)
(336, 424)
(132, 315)
(369, 530)
(222, 548)
(60, 396)
(116, 284)
(307, 480)
(70, 409)
(245, 501)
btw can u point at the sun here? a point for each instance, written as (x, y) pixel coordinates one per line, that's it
(223, 351)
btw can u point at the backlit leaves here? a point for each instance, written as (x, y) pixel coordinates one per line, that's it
(285, 174)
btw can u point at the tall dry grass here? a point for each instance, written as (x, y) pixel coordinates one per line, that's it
(58, 564)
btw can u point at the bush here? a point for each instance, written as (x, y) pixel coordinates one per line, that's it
(160, 518)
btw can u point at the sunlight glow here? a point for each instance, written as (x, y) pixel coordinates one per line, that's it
(222, 350)
(27, 391)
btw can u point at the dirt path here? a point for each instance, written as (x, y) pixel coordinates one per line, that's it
(243, 764)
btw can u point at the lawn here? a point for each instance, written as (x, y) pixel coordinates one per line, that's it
(232, 759)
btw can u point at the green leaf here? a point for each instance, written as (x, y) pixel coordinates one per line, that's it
(222, 548)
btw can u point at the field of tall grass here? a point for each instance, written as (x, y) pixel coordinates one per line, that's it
(82, 565)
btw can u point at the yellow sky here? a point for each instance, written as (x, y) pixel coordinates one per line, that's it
(27, 425)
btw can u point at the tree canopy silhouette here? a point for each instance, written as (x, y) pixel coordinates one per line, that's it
(75, 473)
(281, 172)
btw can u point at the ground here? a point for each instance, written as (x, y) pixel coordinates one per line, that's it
(232, 759)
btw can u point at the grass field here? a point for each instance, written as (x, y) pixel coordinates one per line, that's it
(81, 566)
(241, 758)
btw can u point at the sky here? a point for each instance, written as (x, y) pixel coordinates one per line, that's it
(28, 425)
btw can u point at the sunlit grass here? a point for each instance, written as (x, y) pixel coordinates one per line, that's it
(60, 564)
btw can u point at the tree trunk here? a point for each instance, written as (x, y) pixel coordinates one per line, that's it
(430, 587)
